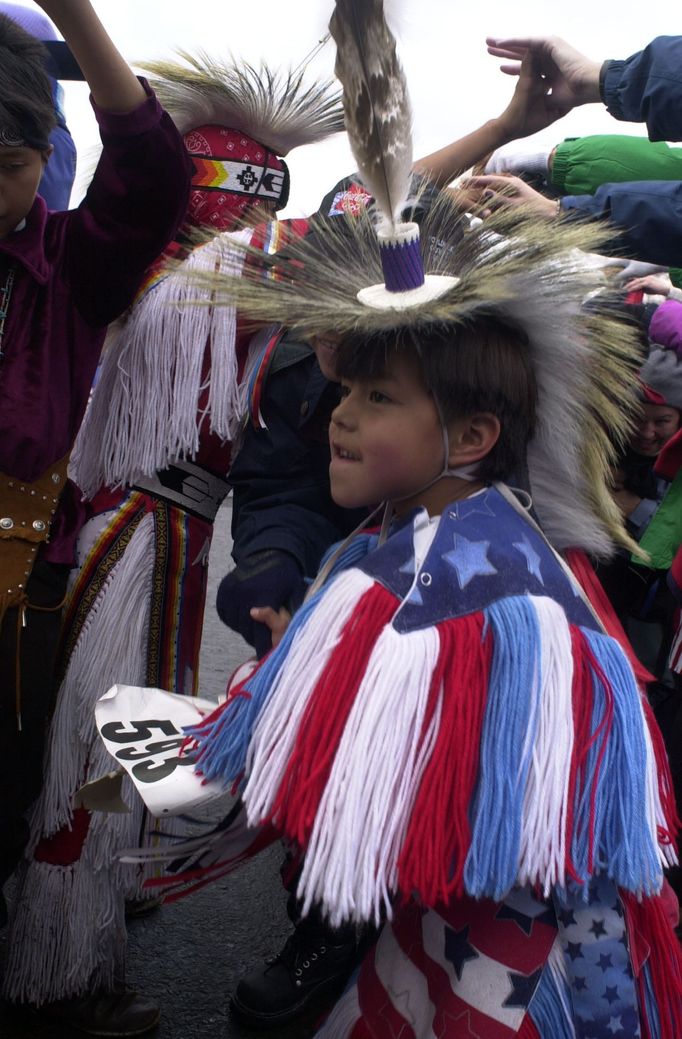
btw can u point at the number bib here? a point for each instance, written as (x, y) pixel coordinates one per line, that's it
(143, 731)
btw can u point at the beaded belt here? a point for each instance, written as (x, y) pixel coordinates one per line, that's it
(189, 486)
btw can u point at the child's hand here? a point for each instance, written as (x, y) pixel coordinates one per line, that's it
(276, 620)
(494, 192)
(653, 284)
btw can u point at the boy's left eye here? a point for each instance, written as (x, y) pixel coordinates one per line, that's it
(377, 397)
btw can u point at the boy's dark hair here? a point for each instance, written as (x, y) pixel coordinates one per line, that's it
(483, 365)
(26, 105)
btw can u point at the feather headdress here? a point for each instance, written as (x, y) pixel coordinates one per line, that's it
(530, 273)
(348, 277)
(275, 108)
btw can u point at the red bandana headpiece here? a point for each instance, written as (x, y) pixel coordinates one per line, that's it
(231, 172)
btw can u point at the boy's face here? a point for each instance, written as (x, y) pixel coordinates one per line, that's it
(386, 440)
(657, 424)
(20, 173)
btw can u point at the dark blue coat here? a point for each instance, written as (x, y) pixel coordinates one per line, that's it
(647, 87)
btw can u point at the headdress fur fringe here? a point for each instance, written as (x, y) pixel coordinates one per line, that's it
(276, 109)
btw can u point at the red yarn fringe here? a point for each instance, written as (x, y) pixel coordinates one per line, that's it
(653, 942)
(439, 834)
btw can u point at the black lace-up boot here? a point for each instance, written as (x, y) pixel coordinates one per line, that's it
(309, 973)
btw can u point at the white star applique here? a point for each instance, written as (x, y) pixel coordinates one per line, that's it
(469, 559)
(531, 556)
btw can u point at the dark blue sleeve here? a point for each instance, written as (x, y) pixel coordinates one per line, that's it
(647, 215)
(647, 88)
(304, 532)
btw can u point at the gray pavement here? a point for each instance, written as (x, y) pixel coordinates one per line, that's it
(189, 956)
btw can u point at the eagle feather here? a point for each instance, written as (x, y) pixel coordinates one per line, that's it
(375, 102)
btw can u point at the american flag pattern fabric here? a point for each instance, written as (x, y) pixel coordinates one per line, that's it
(480, 969)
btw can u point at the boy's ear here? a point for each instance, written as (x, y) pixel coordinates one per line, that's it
(45, 155)
(472, 438)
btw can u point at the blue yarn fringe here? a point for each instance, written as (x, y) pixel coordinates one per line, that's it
(492, 862)
(550, 1007)
(624, 848)
(623, 845)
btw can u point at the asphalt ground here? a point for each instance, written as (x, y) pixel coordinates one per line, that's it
(189, 956)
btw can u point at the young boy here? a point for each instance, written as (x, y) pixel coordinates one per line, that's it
(63, 278)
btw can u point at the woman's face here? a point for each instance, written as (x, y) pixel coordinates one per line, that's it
(657, 424)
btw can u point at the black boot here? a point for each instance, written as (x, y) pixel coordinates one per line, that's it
(310, 972)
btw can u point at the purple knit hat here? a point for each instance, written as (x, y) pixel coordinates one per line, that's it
(665, 328)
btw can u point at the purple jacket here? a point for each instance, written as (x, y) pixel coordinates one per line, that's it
(75, 272)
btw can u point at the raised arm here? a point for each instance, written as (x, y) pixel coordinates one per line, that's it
(113, 85)
(530, 110)
(644, 88)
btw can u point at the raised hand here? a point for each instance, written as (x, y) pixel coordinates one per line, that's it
(570, 78)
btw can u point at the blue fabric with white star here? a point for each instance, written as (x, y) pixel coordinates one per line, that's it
(593, 935)
(483, 551)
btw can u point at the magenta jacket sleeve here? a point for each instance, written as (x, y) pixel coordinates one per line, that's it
(132, 210)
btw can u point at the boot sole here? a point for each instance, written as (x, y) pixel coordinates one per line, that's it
(107, 1033)
(329, 990)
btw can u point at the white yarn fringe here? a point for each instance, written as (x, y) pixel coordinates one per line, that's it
(112, 647)
(144, 410)
(275, 733)
(556, 964)
(351, 862)
(549, 741)
(67, 933)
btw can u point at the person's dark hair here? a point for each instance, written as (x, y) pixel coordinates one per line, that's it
(483, 365)
(26, 104)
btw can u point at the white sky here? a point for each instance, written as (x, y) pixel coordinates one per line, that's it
(454, 84)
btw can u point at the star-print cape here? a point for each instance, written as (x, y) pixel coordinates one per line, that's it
(444, 725)
(453, 686)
